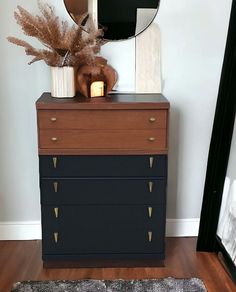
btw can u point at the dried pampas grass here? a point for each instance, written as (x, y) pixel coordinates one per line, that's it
(64, 45)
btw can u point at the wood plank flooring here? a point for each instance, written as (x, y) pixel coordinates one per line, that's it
(21, 260)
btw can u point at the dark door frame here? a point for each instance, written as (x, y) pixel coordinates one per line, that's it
(220, 144)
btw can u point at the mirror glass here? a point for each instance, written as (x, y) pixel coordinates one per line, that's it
(227, 220)
(120, 19)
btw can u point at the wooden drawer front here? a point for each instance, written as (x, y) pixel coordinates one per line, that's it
(106, 229)
(93, 217)
(110, 242)
(102, 191)
(101, 119)
(97, 166)
(96, 139)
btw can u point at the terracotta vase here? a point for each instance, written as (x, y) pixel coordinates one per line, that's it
(99, 71)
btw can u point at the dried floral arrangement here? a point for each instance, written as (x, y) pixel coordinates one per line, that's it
(65, 45)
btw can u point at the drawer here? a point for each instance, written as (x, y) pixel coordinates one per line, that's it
(102, 191)
(103, 139)
(95, 242)
(103, 230)
(100, 119)
(102, 217)
(103, 165)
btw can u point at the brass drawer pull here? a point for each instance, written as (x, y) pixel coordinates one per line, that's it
(152, 120)
(56, 212)
(150, 212)
(56, 235)
(150, 186)
(150, 236)
(53, 119)
(55, 186)
(151, 160)
(54, 139)
(151, 139)
(54, 160)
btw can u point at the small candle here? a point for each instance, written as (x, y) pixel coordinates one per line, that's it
(97, 89)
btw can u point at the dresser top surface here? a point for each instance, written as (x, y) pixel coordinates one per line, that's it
(113, 101)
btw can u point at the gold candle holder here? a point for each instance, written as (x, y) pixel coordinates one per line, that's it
(97, 88)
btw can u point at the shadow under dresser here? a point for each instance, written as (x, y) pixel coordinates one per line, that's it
(103, 177)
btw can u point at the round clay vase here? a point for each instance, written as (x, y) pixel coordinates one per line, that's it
(99, 71)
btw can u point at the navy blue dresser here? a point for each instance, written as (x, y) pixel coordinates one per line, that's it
(103, 177)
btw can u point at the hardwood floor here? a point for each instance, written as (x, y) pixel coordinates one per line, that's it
(21, 260)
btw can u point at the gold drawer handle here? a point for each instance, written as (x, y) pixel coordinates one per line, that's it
(150, 236)
(152, 120)
(56, 235)
(54, 139)
(55, 186)
(54, 160)
(151, 160)
(56, 212)
(150, 186)
(150, 212)
(53, 119)
(151, 139)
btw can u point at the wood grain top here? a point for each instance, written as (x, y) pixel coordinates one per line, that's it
(113, 101)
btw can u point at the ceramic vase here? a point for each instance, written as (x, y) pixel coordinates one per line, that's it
(63, 82)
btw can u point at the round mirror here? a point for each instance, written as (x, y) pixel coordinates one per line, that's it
(120, 19)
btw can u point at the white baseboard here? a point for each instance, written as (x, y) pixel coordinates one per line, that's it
(182, 227)
(22, 230)
(31, 230)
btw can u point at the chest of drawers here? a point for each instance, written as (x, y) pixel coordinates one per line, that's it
(103, 176)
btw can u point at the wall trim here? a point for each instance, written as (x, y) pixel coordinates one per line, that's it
(20, 230)
(182, 227)
(31, 230)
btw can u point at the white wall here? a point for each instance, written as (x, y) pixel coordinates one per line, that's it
(193, 39)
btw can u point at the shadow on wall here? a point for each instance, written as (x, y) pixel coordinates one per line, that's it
(172, 187)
